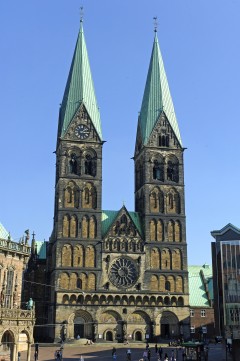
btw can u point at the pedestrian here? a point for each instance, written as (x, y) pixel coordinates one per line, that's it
(145, 355)
(114, 353)
(35, 356)
(149, 354)
(160, 352)
(156, 348)
(19, 356)
(166, 357)
(129, 355)
(81, 358)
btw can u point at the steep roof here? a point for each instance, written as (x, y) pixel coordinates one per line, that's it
(79, 89)
(225, 229)
(4, 234)
(157, 97)
(41, 249)
(200, 282)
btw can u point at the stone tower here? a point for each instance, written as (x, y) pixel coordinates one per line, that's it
(118, 275)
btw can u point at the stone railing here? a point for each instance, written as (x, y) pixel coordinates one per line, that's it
(16, 314)
(14, 246)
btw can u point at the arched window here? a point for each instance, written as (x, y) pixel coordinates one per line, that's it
(66, 226)
(153, 230)
(90, 257)
(155, 258)
(170, 231)
(163, 140)
(9, 288)
(90, 165)
(73, 166)
(173, 170)
(78, 256)
(160, 236)
(158, 171)
(67, 255)
(167, 286)
(154, 283)
(73, 227)
(177, 231)
(85, 227)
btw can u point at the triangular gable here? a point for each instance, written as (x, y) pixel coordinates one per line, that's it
(111, 219)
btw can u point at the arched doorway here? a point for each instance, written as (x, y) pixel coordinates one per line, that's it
(110, 321)
(138, 336)
(169, 325)
(80, 323)
(109, 336)
(78, 327)
(6, 347)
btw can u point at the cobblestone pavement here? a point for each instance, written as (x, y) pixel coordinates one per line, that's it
(102, 352)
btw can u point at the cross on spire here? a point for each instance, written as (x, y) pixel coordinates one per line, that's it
(155, 23)
(81, 14)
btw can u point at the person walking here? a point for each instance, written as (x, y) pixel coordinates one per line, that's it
(149, 354)
(129, 355)
(114, 353)
(145, 355)
(166, 357)
(156, 348)
(160, 352)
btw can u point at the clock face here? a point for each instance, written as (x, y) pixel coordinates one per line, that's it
(123, 273)
(82, 131)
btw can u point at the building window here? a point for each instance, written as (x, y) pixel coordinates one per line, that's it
(203, 313)
(192, 329)
(191, 313)
(9, 289)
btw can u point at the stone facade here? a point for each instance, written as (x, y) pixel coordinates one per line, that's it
(115, 275)
(16, 322)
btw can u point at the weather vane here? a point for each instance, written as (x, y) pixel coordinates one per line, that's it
(155, 23)
(81, 14)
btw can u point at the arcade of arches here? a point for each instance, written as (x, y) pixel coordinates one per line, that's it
(109, 325)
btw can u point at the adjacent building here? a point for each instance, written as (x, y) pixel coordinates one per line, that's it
(202, 325)
(226, 276)
(16, 322)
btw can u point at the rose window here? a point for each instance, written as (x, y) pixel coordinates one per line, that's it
(123, 273)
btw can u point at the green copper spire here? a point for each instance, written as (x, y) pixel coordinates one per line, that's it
(79, 89)
(157, 97)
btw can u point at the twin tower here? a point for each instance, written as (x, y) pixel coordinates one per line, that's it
(118, 275)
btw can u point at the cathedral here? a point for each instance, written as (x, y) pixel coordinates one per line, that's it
(117, 275)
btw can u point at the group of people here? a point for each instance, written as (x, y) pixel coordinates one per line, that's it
(147, 354)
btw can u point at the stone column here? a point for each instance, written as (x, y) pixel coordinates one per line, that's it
(14, 352)
(29, 351)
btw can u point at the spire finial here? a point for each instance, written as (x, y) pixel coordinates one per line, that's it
(81, 14)
(155, 24)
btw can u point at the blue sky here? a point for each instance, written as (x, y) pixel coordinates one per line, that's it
(200, 44)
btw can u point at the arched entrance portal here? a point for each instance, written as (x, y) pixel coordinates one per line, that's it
(6, 347)
(138, 336)
(109, 336)
(80, 324)
(169, 325)
(79, 327)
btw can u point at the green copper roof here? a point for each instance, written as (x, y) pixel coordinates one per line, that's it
(108, 217)
(157, 97)
(41, 249)
(197, 291)
(79, 89)
(3, 232)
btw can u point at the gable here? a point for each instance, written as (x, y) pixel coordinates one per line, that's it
(121, 222)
